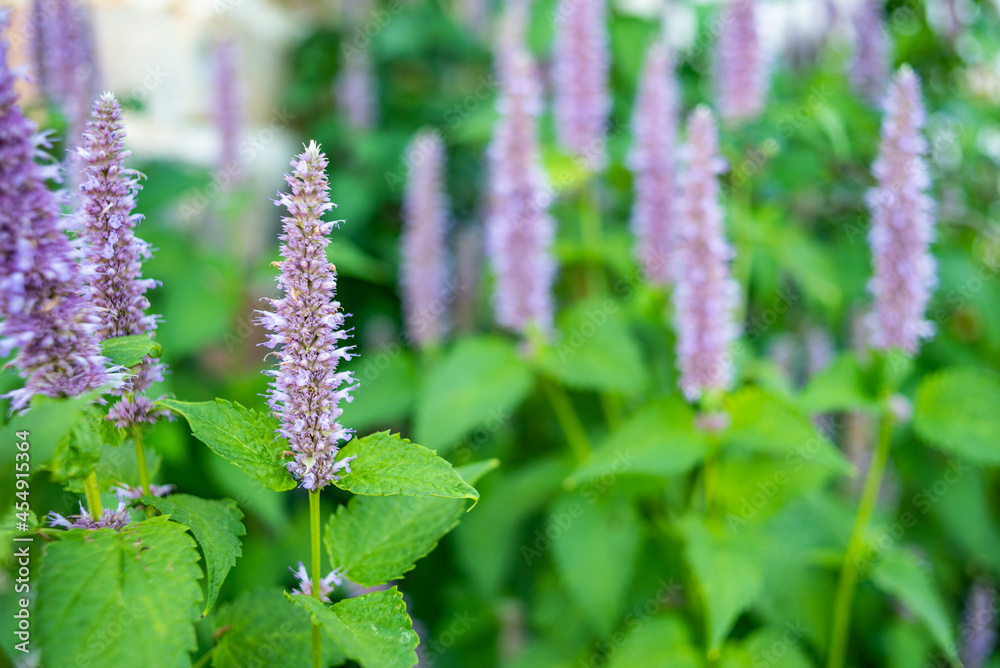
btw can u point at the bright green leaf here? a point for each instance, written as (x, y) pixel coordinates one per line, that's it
(899, 574)
(242, 436)
(78, 452)
(655, 643)
(657, 440)
(594, 545)
(840, 387)
(142, 581)
(373, 629)
(128, 351)
(387, 464)
(477, 385)
(216, 525)
(956, 410)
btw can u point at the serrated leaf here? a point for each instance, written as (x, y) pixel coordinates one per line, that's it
(898, 573)
(240, 435)
(216, 525)
(128, 351)
(956, 411)
(478, 384)
(658, 440)
(764, 423)
(596, 351)
(594, 544)
(263, 628)
(728, 572)
(142, 581)
(841, 386)
(373, 629)
(387, 464)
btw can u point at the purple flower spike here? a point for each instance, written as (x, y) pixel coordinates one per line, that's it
(740, 76)
(580, 66)
(869, 67)
(652, 159)
(979, 625)
(902, 223)
(356, 91)
(425, 214)
(308, 324)
(125, 492)
(705, 296)
(41, 283)
(228, 99)
(110, 519)
(115, 256)
(519, 230)
(326, 585)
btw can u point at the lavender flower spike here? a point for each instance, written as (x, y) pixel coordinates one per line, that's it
(228, 101)
(519, 230)
(355, 91)
(41, 282)
(308, 324)
(580, 67)
(869, 66)
(326, 585)
(902, 223)
(425, 214)
(652, 160)
(740, 76)
(704, 295)
(979, 625)
(115, 254)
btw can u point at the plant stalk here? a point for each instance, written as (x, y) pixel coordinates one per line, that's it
(568, 420)
(590, 235)
(140, 455)
(849, 570)
(317, 639)
(93, 493)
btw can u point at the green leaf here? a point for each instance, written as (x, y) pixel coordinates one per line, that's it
(388, 464)
(658, 642)
(216, 525)
(78, 452)
(14, 523)
(595, 350)
(128, 351)
(841, 386)
(387, 388)
(47, 422)
(594, 544)
(728, 572)
(899, 574)
(142, 582)
(263, 628)
(764, 423)
(775, 647)
(658, 440)
(373, 629)
(956, 411)
(477, 385)
(119, 466)
(242, 436)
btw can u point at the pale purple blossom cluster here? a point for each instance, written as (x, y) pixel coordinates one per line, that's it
(979, 625)
(424, 263)
(869, 65)
(581, 64)
(902, 223)
(519, 230)
(115, 518)
(307, 323)
(114, 254)
(304, 588)
(740, 77)
(126, 492)
(228, 101)
(653, 161)
(355, 92)
(705, 296)
(44, 313)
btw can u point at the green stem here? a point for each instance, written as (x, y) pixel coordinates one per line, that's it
(93, 493)
(140, 455)
(590, 235)
(568, 420)
(849, 570)
(317, 648)
(203, 661)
